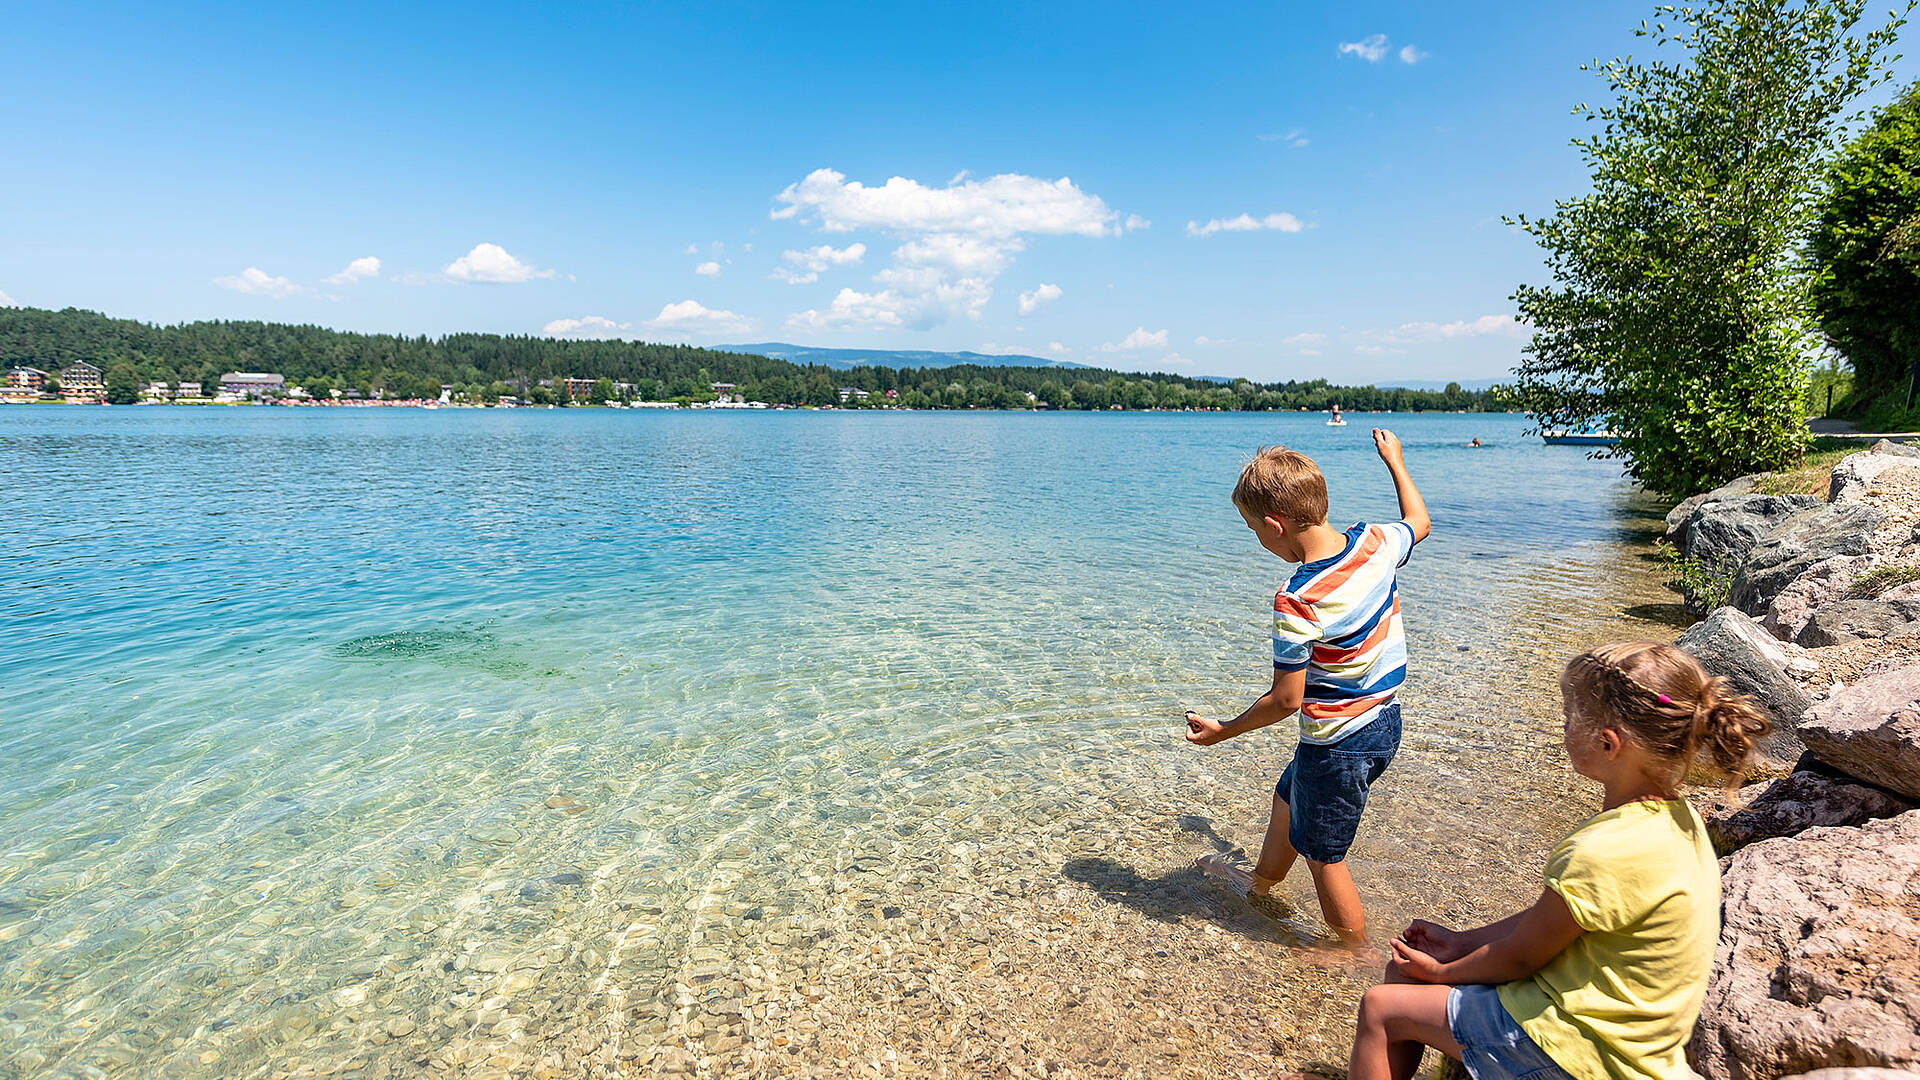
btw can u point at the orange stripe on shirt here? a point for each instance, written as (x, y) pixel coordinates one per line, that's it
(1287, 605)
(1334, 655)
(1333, 710)
(1324, 585)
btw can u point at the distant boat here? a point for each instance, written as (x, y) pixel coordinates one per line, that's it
(1336, 420)
(1581, 438)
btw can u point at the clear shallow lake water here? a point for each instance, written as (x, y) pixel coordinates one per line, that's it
(388, 742)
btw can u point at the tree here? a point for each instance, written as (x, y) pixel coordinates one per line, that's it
(122, 384)
(1675, 316)
(603, 390)
(1864, 254)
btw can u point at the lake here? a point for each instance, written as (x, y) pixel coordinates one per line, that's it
(485, 742)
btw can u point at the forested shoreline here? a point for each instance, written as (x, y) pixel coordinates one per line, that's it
(486, 367)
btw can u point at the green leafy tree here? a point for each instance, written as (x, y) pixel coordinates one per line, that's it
(122, 384)
(603, 390)
(1864, 253)
(1675, 317)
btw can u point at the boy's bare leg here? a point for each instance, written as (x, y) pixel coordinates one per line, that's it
(1340, 902)
(1276, 853)
(1397, 1023)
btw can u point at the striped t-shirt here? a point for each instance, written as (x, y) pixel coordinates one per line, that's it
(1339, 618)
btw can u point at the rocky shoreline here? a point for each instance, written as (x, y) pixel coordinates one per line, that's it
(1818, 970)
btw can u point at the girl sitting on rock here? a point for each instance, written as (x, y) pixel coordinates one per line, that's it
(1602, 978)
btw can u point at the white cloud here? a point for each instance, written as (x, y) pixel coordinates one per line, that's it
(1174, 359)
(1307, 344)
(1031, 302)
(1378, 350)
(1294, 137)
(999, 206)
(1246, 223)
(692, 249)
(1057, 349)
(815, 259)
(357, 270)
(708, 269)
(8, 301)
(693, 317)
(1141, 338)
(1410, 54)
(586, 326)
(1412, 332)
(490, 263)
(1206, 342)
(257, 282)
(956, 240)
(1135, 223)
(1372, 48)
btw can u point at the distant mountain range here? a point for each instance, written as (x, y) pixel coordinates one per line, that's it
(893, 358)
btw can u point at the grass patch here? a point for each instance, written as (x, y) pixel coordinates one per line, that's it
(1812, 475)
(1881, 578)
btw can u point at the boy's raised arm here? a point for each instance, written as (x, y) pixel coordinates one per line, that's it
(1413, 508)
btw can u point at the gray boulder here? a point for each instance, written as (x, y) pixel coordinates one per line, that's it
(1678, 516)
(1888, 446)
(1795, 803)
(1857, 1074)
(1871, 730)
(1823, 583)
(1729, 644)
(1795, 546)
(1858, 620)
(1721, 532)
(1855, 475)
(1819, 956)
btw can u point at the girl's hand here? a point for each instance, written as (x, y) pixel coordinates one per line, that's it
(1435, 940)
(1202, 731)
(1414, 965)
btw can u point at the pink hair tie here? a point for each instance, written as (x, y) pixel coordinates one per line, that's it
(1665, 700)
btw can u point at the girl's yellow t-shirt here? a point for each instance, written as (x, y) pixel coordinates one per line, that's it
(1619, 1003)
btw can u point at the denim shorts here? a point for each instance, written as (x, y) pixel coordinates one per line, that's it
(1493, 1046)
(1325, 787)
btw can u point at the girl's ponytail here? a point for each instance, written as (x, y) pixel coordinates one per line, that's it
(1725, 726)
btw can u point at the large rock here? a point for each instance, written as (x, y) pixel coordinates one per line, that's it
(1855, 474)
(1795, 803)
(1871, 730)
(1795, 546)
(1858, 1074)
(1729, 644)
(1678, 516)
(1859, 620)
(1722, 531)
(1823, 583)
(1819, 957)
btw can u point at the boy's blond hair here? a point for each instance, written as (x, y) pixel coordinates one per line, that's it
(1283, 483)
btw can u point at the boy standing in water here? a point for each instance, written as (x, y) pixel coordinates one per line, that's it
(1339, 656)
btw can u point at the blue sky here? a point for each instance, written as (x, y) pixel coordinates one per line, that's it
(1276, 191)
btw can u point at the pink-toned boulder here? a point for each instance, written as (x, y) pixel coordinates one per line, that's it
(1819, 957)
(1871, 730)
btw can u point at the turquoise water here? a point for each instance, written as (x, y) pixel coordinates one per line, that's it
(333, 738)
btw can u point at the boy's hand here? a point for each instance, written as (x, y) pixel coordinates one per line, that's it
(1202, 731)
(1435, 940)
(1413, 964)
(1389, 446)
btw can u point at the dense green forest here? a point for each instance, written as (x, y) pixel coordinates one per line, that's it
(487, 366)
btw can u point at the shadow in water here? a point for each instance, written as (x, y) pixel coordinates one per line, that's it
(1674, 615)
(1203, 828)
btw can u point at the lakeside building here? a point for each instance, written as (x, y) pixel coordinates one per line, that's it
(726, 391)
(853, 393)
(578, 389)
(188, 389)
(253, 384)
(26, 378)
(80, 382)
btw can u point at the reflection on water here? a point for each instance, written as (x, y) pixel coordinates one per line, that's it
(424, 743)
